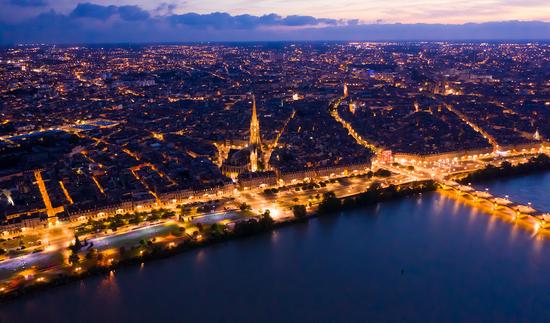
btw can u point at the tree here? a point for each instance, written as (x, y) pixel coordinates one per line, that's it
(330, 203)
(244, 207)
(134, 219)
(113, 225)
(266, 221)
(155, 215)
(178, 232)
(217, 229)
(184, 210)
(168, 214)
(375, 186)
(74, 259)
(382, 173)
(299, 211)
(77, 245)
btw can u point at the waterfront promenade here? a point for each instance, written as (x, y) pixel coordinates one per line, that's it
(172, 229)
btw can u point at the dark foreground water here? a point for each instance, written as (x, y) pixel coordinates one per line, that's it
(426, 258)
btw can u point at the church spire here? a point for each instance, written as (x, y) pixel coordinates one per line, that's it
(346, 93)
(255, 140)
(254, 126)
(537, 136)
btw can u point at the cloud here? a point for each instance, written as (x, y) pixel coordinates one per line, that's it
(216, 20)
(95, 11)
(219, 20)
(90, 10)
(165, 9)
(93, 23)
(132, 13)
(28, 3)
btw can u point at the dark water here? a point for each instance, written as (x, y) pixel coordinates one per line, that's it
(420, 259)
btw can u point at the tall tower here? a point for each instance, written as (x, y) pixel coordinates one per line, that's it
(255, 143)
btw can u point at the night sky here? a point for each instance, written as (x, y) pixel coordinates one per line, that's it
(64, 21)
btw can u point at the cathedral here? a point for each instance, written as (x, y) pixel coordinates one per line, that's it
(255, 142)
(251, 158)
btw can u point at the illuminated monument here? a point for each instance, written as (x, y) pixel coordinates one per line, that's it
(249, 158)
(255, 144)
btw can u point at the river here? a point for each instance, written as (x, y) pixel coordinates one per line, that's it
(423, 258)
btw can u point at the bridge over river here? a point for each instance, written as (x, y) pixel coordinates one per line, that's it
(512, 210)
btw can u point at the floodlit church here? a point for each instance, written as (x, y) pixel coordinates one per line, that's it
(249, 159)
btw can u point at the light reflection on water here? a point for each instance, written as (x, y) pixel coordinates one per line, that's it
(491, 224)
(538, 244)
(514, 232)
(456, 207)
(200, 256)
(472, 215)
(108, 288)
(274, 237)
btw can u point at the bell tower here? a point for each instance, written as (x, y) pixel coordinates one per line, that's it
(255, 143)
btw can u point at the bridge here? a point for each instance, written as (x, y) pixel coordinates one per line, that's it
(514, 211)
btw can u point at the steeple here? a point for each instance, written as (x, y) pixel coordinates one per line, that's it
(255, 143)
(346, 90)
(254, 126)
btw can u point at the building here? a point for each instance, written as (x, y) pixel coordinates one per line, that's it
(250, 158)
(255, 144)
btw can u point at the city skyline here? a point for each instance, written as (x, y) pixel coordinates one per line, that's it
(40, 21)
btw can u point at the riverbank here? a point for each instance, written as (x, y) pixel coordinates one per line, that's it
(147, 251)
(93, 263)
